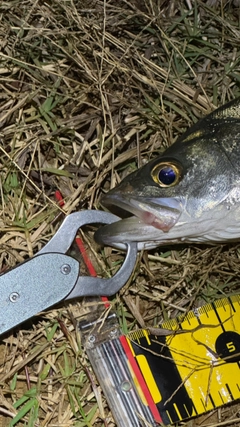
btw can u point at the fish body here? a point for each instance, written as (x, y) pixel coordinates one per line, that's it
(190, 193)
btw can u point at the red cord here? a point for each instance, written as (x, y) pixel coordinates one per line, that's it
(59, 198)
(81, 248)
(87, 261)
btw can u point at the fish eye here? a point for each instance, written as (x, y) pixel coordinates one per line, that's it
(166, 174)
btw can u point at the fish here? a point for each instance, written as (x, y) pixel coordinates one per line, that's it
(188, 194)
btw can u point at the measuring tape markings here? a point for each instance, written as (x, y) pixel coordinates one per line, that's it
(197, 370)
(166, 376)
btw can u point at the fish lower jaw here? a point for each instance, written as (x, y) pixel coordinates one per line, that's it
(219, 227)
(164, 240)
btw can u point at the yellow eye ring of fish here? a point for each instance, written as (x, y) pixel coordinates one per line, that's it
(167, 174)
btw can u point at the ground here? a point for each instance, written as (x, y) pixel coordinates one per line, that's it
(91, 90)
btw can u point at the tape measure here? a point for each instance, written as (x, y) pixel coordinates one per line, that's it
(150, 379)
(196, 368)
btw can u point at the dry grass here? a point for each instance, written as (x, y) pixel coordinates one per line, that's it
(90, 90)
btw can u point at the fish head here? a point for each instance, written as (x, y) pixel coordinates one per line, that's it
(185, 194)
(150, 201)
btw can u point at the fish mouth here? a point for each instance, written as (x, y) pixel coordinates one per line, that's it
(149, 216)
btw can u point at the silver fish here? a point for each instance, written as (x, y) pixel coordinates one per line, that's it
(190, 193)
